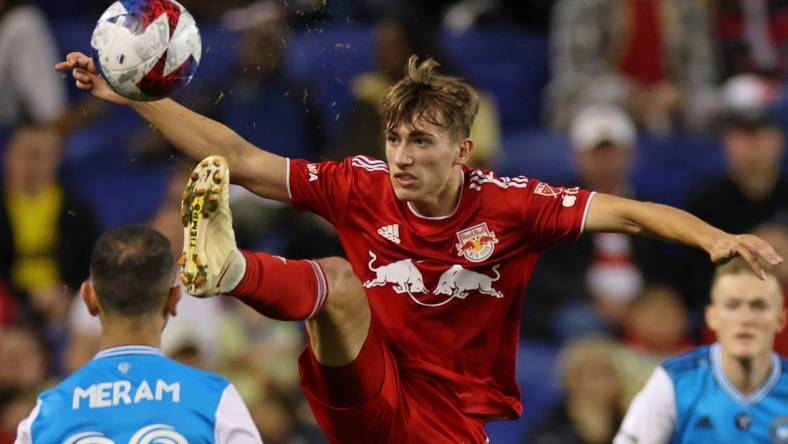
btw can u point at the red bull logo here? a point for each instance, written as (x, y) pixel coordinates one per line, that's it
(476, 243)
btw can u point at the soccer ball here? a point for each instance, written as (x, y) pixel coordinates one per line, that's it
(146, 49)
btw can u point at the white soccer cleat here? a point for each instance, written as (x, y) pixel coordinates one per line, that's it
(211, 263)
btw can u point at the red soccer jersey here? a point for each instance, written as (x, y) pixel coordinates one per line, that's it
(446, 291)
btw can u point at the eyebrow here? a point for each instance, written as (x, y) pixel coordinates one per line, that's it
(418, 133)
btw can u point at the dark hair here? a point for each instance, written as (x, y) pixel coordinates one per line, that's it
(132, 270)
(442, 100)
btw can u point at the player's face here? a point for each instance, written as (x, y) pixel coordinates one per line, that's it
(423, 163)
(746, 313)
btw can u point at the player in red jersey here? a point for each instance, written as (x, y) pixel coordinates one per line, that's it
(416, 343)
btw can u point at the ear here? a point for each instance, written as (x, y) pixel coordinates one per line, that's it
(88, 293)
(711, 317)
(464, 153)
(170, 306)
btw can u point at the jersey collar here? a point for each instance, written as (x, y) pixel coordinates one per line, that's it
(122, 350)
(731, 390)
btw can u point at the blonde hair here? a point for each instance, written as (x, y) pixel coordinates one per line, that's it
(441, 100)
(738, 265)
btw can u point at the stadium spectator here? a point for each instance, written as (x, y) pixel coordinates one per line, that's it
(591, 410)
(586, 286)
(269, 386)
(752, 37)
(32, 93)
(25, 371)
(732, 391)
(9, 308)
(752, 190)
(130, 388)
(657, 323)
(653, 57)
(436, 365)
(264, 103)
(46, 231)
(25, 360)
(268, 107)
(655, 328)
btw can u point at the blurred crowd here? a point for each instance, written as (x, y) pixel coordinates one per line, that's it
(599, 313)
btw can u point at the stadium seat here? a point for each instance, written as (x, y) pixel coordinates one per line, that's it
(218, 54)
(537, 153)
(328, 60)
(667, 170)
(510, 63)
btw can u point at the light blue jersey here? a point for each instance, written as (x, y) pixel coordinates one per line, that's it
(135, 395)
(689, 399)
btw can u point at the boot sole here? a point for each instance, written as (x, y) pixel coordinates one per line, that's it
(198, 208)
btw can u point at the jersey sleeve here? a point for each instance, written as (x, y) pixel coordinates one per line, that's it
(323, 188)
(551, 214)
(651, 417)
(234, 424)
(24, 432)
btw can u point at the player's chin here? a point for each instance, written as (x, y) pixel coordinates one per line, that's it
(404, 194)
(744, 348)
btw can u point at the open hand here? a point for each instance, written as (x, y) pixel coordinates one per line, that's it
(83, 69)
(751, 248)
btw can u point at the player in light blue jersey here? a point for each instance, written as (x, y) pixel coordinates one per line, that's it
(734, 391)
(130, 393)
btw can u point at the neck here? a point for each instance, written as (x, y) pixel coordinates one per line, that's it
(445, 200)
(756, 187)
(594, 420)
(118, 332)
(747, 374)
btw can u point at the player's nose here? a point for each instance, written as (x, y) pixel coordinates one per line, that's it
(402, 156)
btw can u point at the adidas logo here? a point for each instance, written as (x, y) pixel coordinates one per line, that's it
(704, 423)
(390, 232)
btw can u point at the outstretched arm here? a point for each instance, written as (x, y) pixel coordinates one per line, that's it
(608, 213)
(257, 170)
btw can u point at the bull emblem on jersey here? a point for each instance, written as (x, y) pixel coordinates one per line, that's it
(476, 243)
(403, 274)
(458, 281)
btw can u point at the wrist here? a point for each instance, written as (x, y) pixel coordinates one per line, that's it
(709, 240)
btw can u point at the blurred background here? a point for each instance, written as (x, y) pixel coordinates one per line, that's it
(676, 101)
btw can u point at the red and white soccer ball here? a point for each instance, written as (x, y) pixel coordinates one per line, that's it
(147, 49)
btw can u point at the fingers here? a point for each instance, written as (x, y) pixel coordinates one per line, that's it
(755, 250)
(76, 60)
(85, 86)
(81, 75)
(64, 65)
(764, 250)
(752, 260)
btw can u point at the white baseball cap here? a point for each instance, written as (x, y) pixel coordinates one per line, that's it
(599, 123)
(747, 100)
